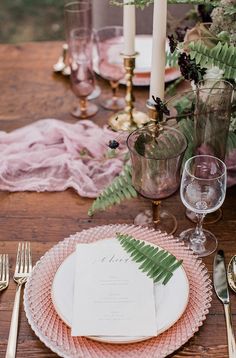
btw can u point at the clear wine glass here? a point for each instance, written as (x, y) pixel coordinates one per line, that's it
(156, 155)
(110, 63)
(82, 75)
(203, 188)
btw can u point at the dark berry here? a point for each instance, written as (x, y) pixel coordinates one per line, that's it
(160, 106)
(180, 33)
(113, 144)
(172, 43)
(189, 69)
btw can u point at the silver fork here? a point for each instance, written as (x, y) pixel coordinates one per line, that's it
(4, 271)
(22, 272)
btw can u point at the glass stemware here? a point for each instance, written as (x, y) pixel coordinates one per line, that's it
(203, 188)
(82, 75)
(211, 124)
(110, 63)
(78, 21)
(156, 155)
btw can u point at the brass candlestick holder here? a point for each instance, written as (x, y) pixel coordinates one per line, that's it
(130, 118)
(154, 117)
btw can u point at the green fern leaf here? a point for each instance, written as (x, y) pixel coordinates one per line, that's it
(186, 126)
(157, 263)
(172, 59)
(222, 55)
(120, 189)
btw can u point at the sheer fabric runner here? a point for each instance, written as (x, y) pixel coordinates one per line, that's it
(51, 155)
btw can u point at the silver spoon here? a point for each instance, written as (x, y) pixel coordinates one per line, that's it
(60, 65)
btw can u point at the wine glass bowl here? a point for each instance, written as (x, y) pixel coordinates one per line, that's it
(203, 188)
(110, 65)
(156, 160)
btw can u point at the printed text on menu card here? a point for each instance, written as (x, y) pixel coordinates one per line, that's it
(112, 296)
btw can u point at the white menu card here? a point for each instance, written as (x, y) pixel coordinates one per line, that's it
(112, 296)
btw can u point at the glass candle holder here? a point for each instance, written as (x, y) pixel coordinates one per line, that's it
(212, 117)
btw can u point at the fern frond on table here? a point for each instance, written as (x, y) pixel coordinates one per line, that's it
(157, 263)
(120, 189)
(222, 56)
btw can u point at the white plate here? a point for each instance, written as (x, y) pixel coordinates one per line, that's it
(171, 299)
(143, 45)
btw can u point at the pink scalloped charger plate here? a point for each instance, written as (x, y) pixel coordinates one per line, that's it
(168, 311)
(56, 335)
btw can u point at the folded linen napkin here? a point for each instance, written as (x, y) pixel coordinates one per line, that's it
(51, 155)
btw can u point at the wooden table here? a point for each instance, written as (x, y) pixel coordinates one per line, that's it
(30, 91)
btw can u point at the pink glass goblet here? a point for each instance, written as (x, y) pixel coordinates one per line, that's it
(156, 157)
(110, 63)
(82, 75)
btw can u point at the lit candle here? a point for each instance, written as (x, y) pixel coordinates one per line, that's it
(157, 81)
(129, 28)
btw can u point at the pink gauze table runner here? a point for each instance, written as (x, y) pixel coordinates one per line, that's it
(51, 155)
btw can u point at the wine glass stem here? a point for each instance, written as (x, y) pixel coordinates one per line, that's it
(83, 105)
(198, 237)
(156, 211)
(114, 88)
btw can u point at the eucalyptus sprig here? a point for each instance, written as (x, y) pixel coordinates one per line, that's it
(157, 263)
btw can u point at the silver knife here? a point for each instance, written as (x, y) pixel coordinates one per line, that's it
(221, 288)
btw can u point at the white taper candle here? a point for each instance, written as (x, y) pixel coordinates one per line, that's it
(157, 81)
(129, 28)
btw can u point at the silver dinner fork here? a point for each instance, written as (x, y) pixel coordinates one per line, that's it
(22, 272)
(4, 271)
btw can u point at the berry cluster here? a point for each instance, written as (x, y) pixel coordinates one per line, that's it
(172, 43)
(189, 69)
(177, 37)
(160, 106)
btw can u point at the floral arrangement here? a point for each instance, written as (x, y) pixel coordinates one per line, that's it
(207, 51)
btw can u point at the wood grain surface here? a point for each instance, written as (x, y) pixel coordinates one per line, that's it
(30, 91)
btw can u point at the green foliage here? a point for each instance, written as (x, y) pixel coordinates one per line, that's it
(186, 126)
(31, 20)
(143, 3)
(230, 10)
(172, 59)
(171, 90)
(157, 263)
(195, 2)
(231, 142)
(120, 189)
(222, 56)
